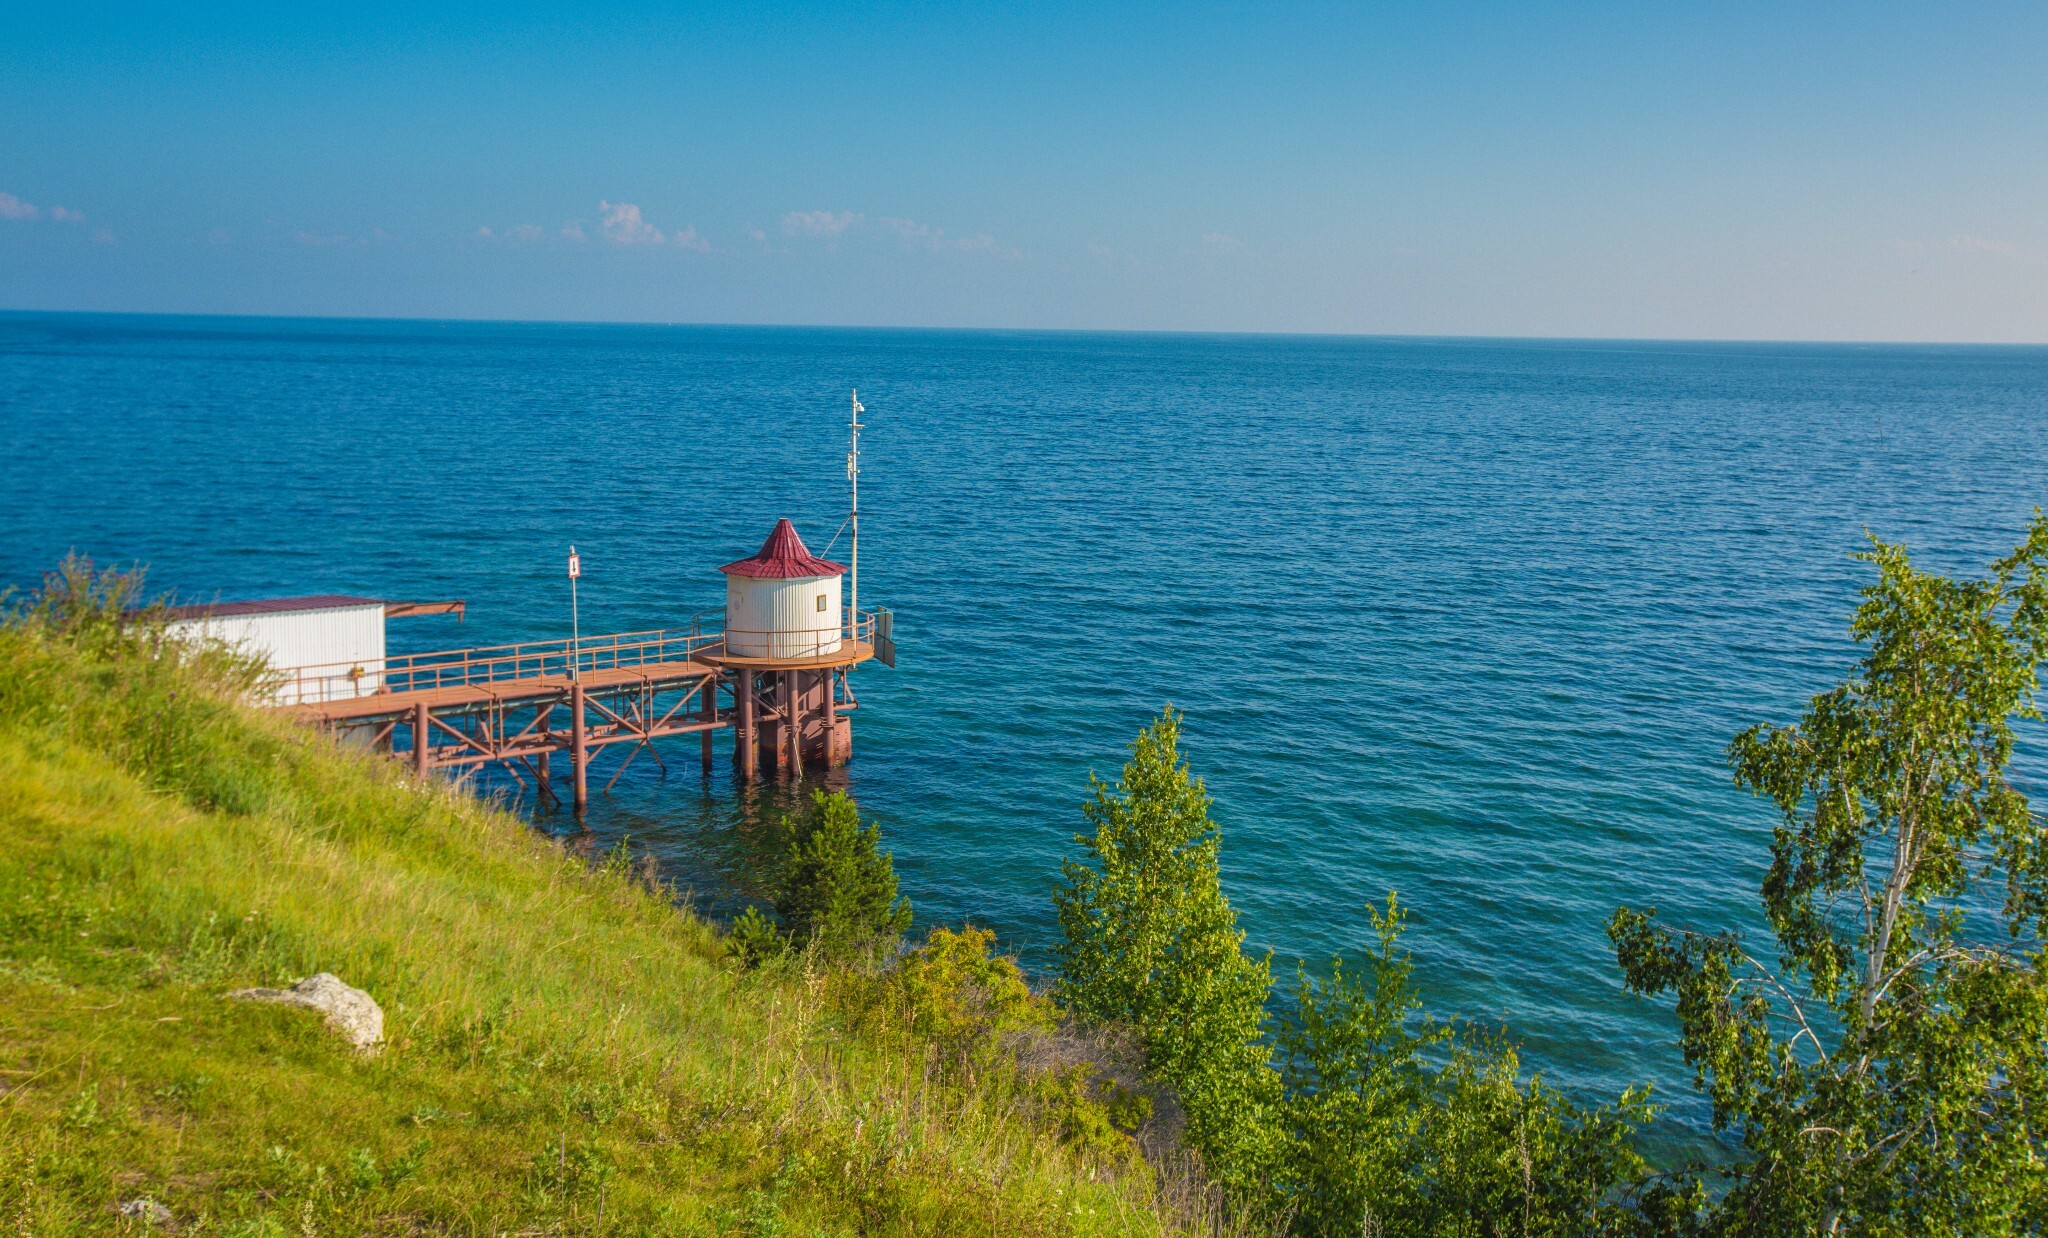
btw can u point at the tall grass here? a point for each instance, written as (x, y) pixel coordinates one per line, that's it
(568, 1052)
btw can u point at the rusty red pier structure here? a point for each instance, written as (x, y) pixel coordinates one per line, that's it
(773, 668)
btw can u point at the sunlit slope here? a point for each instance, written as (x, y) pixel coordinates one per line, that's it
(566, 1050)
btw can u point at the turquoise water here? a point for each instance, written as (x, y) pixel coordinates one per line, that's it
(1469, 620)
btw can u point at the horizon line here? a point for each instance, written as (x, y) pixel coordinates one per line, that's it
(10, 312)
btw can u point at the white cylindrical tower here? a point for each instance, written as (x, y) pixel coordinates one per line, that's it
(783, 602)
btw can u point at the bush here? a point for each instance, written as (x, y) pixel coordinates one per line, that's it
(753, 939)
(1149, 940)
(1397, 1124)
(835, 891)
(956, 993)
(1379, 1121)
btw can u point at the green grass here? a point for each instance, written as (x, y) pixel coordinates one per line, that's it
(568, 1051)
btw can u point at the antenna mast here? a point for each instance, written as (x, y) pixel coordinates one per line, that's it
(853, 476)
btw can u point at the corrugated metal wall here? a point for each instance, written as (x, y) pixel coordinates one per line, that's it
(780, 618)
(346, 643)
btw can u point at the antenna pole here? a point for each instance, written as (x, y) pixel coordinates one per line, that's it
(575, 622)
(853, 476)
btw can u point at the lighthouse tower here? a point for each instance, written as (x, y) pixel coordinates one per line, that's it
(784, 601)
(787, 648)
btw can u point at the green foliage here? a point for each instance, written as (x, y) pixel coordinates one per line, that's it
(1149, 940)
(837, 890)
(1397, 1124)
(753, 939)
(88, 607)
(1095, 1114)
(1378, 1120)
(1887, 1069)
(958, 995)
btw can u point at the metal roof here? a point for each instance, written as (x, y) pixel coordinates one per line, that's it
(783, 557)
(316, 601)
(270, 606)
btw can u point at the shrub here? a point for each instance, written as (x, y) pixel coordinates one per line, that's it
(1149, 940)
(837, 890)
(1378, 1121)
(753, 939)
(959, 995)
(1397, 1124)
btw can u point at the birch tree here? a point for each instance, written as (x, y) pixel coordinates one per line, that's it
(1884, 1065)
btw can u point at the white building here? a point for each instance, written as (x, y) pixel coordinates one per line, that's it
(333, 643)
(783, 602)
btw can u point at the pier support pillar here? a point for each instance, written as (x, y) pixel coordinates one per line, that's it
(709, 712)
(831, 716)
(836, 744)
(790, 734)
(746, 753)
(579, 755)
(420, 738)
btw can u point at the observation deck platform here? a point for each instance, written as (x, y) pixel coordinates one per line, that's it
(850, 653)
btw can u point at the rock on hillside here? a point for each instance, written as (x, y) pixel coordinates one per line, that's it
(350, 1011)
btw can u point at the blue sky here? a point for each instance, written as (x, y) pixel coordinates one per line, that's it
(1642, 170)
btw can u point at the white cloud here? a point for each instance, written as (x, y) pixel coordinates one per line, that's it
(831, 225)
(12, 207)
(523, 234)
(909, 229)
(65, 215)
(330, 240)
(916, 235)
(1220, 240)
(820, 223)
(104, 236)
(622, 223)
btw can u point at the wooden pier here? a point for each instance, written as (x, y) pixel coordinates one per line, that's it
(517, 706)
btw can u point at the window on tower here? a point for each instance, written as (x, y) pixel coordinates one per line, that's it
(821, 601)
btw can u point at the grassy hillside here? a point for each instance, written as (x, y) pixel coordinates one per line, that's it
(568, 1052)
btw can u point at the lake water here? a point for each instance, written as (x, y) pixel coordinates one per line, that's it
(1470, 620)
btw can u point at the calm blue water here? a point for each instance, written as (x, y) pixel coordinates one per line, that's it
(1467, 620)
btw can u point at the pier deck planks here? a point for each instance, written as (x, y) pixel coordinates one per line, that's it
(498, 692)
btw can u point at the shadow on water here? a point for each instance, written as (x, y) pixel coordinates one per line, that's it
(713, 839)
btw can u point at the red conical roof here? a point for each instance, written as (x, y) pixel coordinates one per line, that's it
(783, 557)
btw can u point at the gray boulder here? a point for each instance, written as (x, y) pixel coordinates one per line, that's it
(350, 1011)
(148, 1211)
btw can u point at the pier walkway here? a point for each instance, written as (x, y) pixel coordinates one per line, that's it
(517, 706)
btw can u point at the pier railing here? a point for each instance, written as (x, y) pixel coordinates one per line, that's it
(455, 668)
(794, 643)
